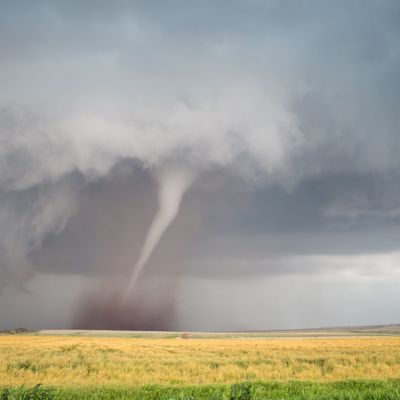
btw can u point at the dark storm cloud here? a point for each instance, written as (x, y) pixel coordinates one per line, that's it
(107, 230)
(288, 111)
(293, 88)
(335, 202)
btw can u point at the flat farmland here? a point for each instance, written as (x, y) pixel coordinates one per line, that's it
(92, 361)
(345, 364)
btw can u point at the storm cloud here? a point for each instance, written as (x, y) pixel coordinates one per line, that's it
(286, 111)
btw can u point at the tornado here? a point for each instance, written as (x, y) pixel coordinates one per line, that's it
(172, 182)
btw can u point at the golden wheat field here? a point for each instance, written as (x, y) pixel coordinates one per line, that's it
(55, 360)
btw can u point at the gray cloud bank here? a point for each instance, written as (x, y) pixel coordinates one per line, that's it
(287, 110)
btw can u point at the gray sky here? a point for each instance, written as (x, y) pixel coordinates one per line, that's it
(286, 111)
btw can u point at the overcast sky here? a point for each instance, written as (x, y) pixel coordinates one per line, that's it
(287, 113)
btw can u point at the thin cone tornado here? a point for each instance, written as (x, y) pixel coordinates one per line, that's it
(172, 181)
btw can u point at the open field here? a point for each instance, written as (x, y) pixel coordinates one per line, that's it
(375, 330)
(123, 367)
(60, 360)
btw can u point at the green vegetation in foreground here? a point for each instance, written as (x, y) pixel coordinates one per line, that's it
(345, 390)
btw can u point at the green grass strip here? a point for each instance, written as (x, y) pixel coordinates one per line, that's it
(344, 390)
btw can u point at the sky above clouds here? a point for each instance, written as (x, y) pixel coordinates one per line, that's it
(286, 111)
